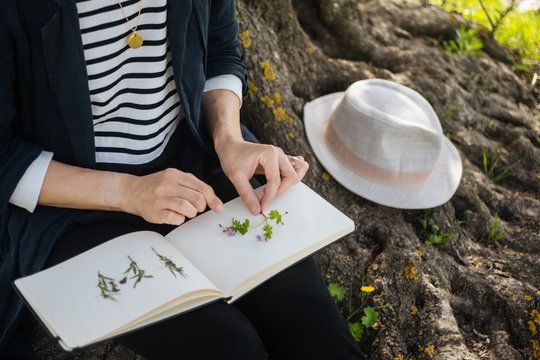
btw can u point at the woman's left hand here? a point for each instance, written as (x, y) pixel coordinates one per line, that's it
(240, 160)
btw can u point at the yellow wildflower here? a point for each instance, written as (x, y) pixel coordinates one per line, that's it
(527, 297)
(532, 328)
(246, 40)
(252, 89)
(429, 350)
(280, 114)
(277, 98)
(326, 176)
(410, 273)
(414, 310)
(367, 289)
(267, 100)
(268, 71)
(399, 357)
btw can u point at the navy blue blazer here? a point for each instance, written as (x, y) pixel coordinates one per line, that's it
(45, 104)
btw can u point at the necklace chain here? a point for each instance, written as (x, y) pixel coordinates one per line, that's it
(134, 29)
(134, 40)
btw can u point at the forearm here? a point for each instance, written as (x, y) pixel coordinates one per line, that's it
(79, 188)
(221, 111)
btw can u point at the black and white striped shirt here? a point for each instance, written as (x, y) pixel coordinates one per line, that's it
(135, 105)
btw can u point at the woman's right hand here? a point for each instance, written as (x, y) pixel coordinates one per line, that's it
(169, 196)
(165, 197)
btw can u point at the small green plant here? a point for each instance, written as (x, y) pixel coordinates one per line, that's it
(496, 233)
(370, 314)
(243, 227)
(489, 170)
(465, 43)
(434, 233)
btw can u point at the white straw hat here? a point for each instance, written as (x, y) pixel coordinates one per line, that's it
(383, 141)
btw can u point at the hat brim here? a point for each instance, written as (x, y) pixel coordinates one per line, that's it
(438, 190)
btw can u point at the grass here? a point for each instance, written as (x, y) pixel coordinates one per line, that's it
(490, 170)
(436, 236)
(496, 233)
(516, 30)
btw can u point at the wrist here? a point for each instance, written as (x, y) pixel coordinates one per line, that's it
(119, 191)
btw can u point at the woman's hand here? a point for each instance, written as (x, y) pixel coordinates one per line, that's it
(166, 197)
(240, 160)
(169, 196)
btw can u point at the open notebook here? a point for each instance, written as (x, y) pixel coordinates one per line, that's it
(140, 278)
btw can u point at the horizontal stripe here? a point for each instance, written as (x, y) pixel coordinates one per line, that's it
(109, 40)
(111, 24)
(130, 76)
(121, 51)
(131, 105)
(124, 135)
(133, 91)
(127, 120)
(142, 59)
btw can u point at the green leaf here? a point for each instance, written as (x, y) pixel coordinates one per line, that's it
(370, 318)
(267, 231)
(336, 291)
(357, 330)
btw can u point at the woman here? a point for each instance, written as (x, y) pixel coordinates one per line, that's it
(112, 116)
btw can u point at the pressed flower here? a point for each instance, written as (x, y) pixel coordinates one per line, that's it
(367, 289)
(259, 238)
(230, 232)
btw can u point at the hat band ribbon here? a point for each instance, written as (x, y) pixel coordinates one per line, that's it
(369, 171)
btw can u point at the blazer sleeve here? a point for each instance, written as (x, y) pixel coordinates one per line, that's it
(223, 55)
(16, 154)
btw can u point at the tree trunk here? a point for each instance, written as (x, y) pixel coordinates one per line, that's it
(474, 297)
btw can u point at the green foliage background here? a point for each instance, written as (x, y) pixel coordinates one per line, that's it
(518, 30)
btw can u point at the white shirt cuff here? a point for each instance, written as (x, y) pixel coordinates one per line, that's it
(26, 193)
(228, 82)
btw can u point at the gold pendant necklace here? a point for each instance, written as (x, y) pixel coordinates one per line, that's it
(134, 40)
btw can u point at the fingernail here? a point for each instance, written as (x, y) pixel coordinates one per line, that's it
(219, 208)
(254, 208)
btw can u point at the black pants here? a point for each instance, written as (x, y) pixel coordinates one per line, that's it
(291, 316)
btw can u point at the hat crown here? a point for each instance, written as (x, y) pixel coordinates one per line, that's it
(387, 125)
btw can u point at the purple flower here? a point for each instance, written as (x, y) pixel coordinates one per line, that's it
(259, 238)
(230, 232)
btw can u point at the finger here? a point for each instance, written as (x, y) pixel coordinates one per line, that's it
(171, 217)
(301, 167)
(246, 192)
(180, 206)
(288, 174)
(210, 198)
(273, 180)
